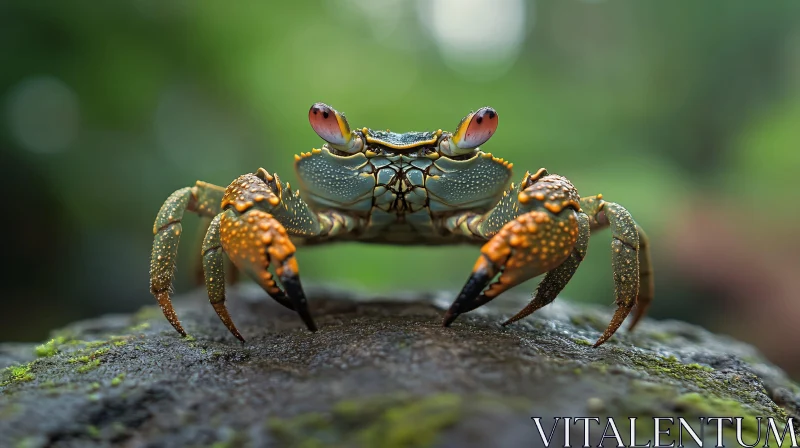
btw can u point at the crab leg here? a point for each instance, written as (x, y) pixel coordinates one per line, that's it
(530, 245)
(535, 242)
(260, 215)
(199, 274)
(231, 273)
(630, 247)
(555, 280)
(254, 241)
(204, 199)
(520, 251)
(646, 280)
(214, 273)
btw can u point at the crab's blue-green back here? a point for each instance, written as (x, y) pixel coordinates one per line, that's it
(400, 188)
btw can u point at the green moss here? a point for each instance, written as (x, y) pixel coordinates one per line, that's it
(582, 342)
(21, 373)
(388, 421)
(649, 387)
(232, 440)
(416, 424)
(697, 404)
(670, 366)
(117, 380)
(704, 405)
(140, 327)
(697, 378)
(91, 360)
(588, 320)
(93, 364)
(600, 367)
(697, 366)
(17, 374)
(28, 442)
(50, 347)
(93, 431)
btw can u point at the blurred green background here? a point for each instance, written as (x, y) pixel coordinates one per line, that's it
(685, 112)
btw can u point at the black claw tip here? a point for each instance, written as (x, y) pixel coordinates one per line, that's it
(464, 302)
(449, 317)
(293, 288)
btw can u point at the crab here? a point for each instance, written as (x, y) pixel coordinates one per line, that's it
(413, 188)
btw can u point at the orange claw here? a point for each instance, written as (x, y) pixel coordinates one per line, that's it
(530, 245)
(254, 241)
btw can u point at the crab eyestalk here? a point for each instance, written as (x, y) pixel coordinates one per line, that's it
(332, 127)
(473, 130)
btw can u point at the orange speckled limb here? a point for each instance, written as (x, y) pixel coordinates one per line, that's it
(557, 279)
(254, 241)
(625, 259)
(260, 200)
(204, 199)
(538, 241)
(594, 206)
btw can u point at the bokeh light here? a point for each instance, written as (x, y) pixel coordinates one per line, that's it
(43, 114)
(480, 40)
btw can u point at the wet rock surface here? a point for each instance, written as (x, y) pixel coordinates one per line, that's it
(380, 372)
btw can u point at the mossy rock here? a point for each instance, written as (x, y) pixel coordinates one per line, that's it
(381, 371)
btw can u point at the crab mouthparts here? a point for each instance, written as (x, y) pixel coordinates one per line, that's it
(405, 142)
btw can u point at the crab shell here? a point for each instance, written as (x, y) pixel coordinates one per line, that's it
(401, 193)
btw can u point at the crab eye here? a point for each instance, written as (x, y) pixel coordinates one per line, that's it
(329, 124)
(476, 128)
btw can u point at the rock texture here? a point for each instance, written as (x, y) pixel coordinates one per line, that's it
(380, 372)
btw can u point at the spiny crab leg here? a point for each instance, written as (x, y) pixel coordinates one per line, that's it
(646, 279)
(204, 199)
(630, 259)
(625, 263)
(231, 273)
(214, 273)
